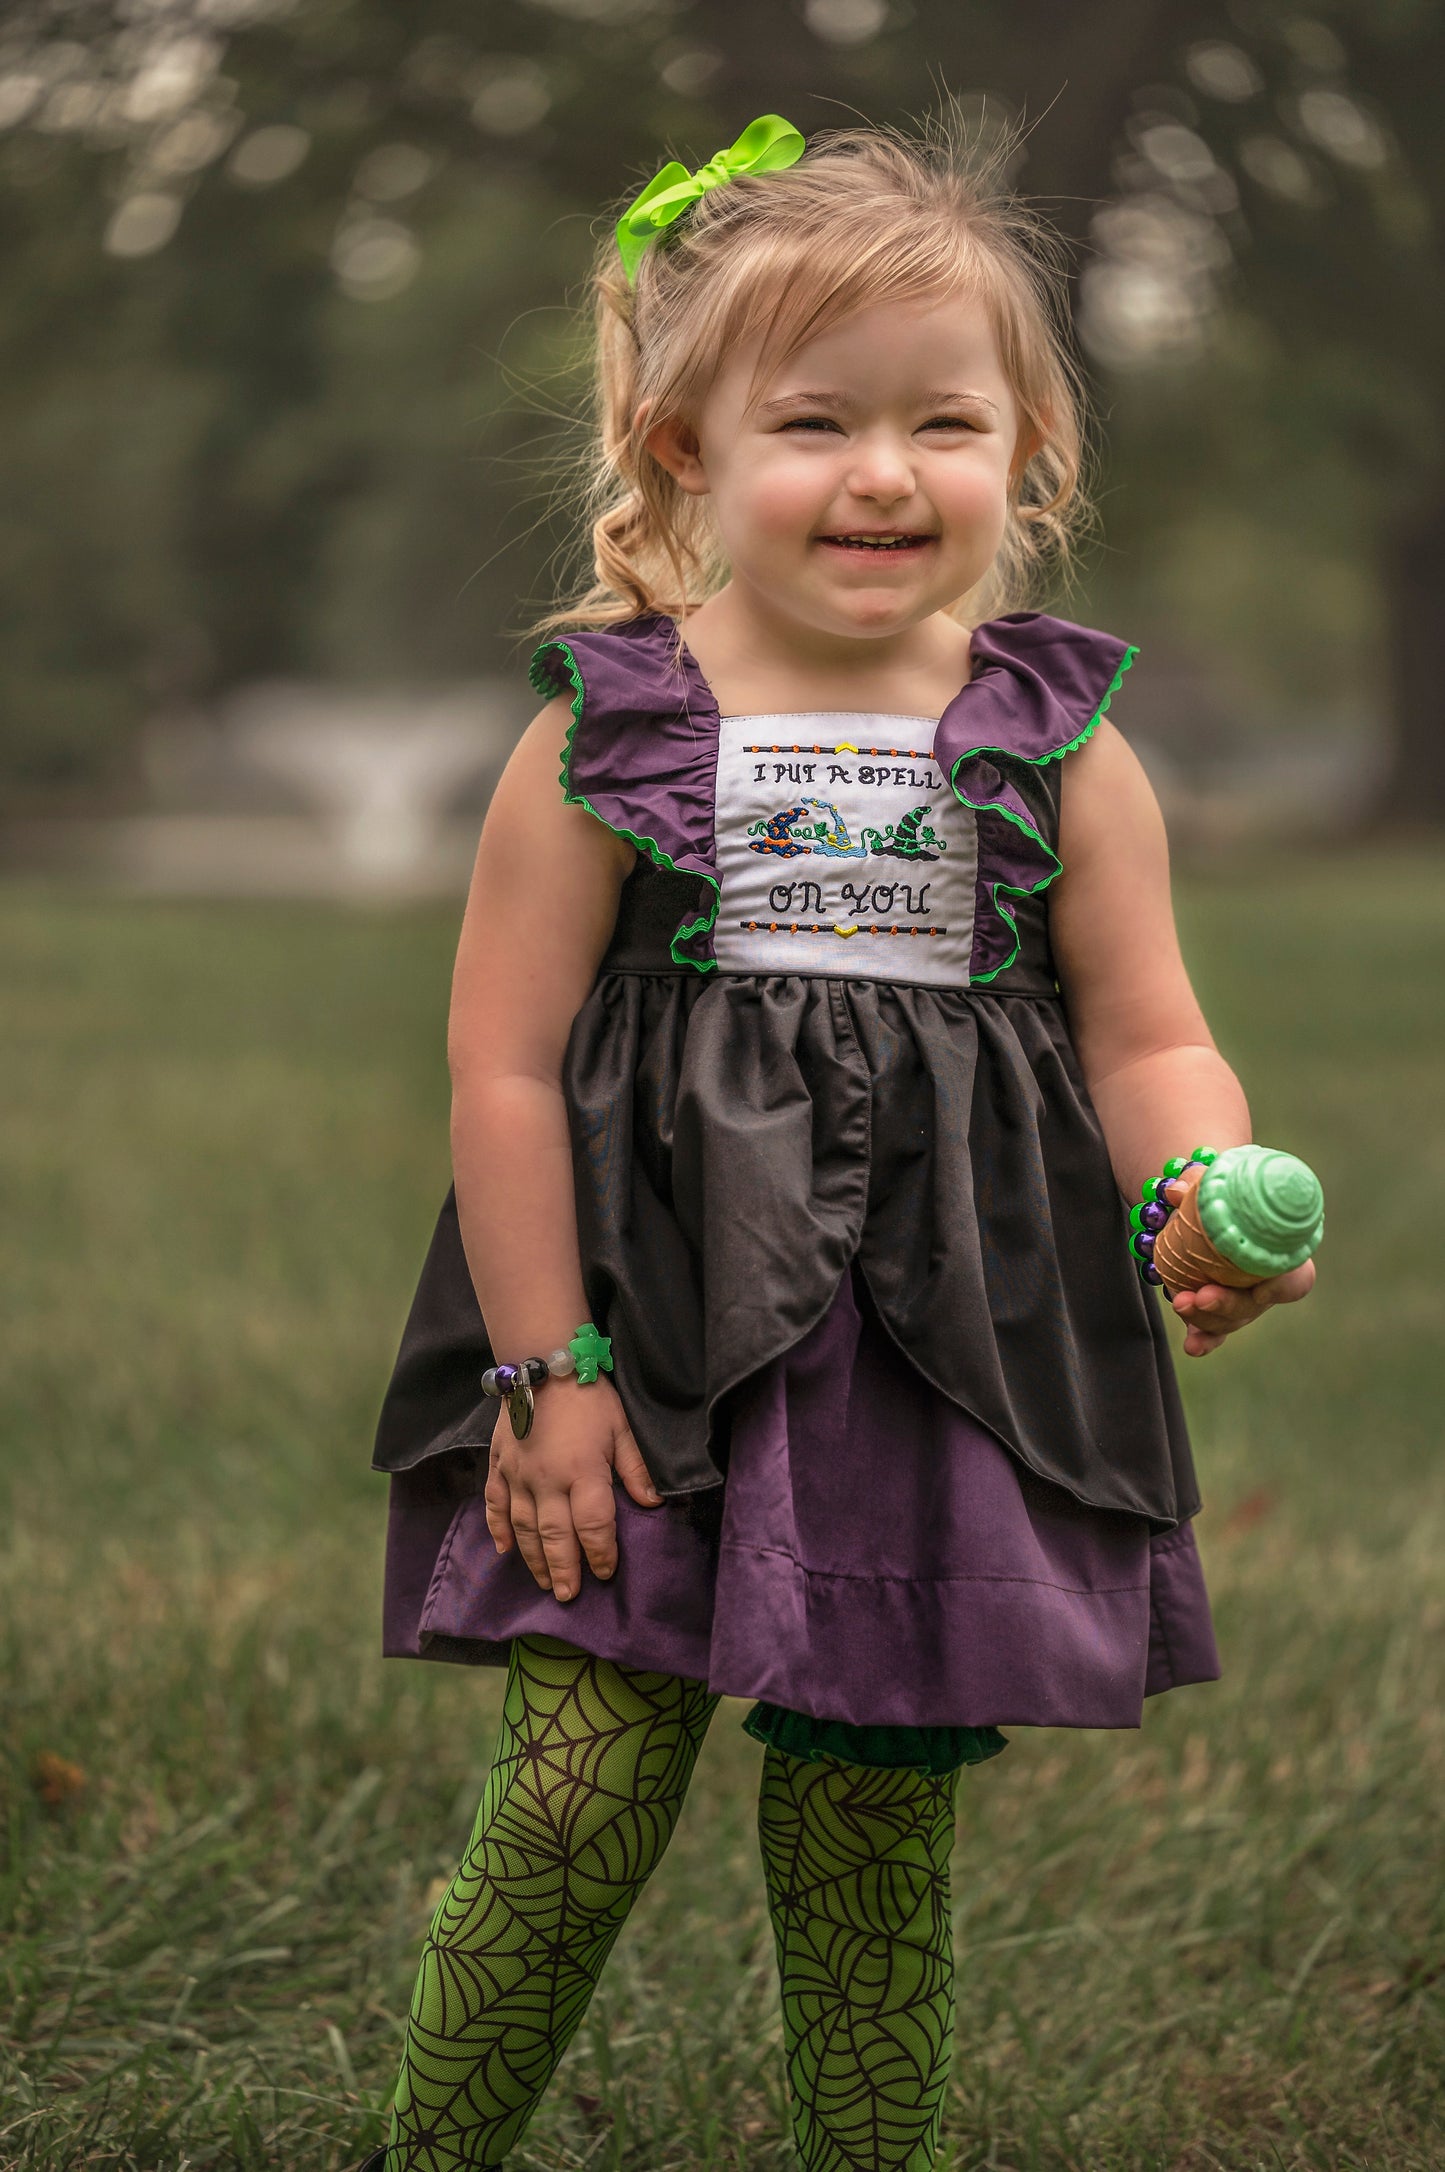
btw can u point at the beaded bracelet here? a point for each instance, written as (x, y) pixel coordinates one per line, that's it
(1153, 1211)
(586, 1351)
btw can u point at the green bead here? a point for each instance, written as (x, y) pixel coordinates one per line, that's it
(1136, 1216)
(590, 1350)
(1174, 1167)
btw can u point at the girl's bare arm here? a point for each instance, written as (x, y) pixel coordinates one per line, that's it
(1153, 1072)
(542, 906)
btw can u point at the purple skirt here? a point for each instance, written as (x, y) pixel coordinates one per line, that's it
(875, 1557)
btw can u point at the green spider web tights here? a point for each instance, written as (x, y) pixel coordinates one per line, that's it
(590, 1772)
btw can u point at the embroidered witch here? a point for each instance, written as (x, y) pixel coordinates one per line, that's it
(778, 833)
(910, 839)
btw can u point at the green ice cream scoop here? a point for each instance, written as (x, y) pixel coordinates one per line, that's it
(1263, 1211)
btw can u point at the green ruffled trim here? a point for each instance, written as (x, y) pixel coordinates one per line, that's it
(1036, 761)
(544, 682)
(935, 1750)
(1057, 754)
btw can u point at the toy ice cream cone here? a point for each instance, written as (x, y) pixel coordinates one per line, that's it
(1253, 1214)
(1187, 1260)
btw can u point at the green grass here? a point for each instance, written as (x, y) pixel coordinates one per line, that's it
(1217, 1943)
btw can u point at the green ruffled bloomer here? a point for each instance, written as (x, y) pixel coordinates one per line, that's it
(591, 1768)
(937, 1750)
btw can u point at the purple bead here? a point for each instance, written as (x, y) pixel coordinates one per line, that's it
(507, 1378)
(1145, 1243)
(1154, 1216)
(1151, 1274)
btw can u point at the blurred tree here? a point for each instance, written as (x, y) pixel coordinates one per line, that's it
(238, 381)
(1283, 174)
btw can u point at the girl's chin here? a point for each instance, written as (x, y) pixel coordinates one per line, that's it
(854, 606)
(912, 581)
(878, 610)
(851, 575)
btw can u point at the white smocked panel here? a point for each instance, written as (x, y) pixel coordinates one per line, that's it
(841, 848)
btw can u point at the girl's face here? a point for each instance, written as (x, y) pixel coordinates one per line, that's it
(864, 486)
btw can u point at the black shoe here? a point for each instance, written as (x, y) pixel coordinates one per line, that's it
(376, 2162)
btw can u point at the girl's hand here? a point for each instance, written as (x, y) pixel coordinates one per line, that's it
(1211, 1313)
(550, 1495)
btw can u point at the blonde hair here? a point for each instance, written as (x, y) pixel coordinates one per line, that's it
(867, 217)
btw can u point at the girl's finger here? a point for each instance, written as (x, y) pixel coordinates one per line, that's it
(497, 1495)
(1214, 1313)
(559, 1545)
(594, 1518)
(627, 1459)
(1215, 1306)
(1288, 1289)
(529, 1543)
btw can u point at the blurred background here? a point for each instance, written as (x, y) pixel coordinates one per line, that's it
(288, 362)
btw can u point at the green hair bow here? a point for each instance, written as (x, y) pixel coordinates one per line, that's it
(765, 146)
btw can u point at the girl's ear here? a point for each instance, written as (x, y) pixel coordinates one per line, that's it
(673, 445)
(1028, 442)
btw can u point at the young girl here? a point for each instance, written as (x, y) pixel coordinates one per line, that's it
(809, 1038)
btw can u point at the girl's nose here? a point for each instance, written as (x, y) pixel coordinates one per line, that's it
(880, 469)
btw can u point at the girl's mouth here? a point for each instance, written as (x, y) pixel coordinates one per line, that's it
(892, 541)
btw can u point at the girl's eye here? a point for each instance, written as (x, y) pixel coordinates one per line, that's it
(817, 423)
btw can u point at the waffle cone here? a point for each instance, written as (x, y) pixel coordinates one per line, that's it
(1185, 1257)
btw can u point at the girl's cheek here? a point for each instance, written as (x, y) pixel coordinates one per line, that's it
(783, 505)
(974, 525)
(974, 501)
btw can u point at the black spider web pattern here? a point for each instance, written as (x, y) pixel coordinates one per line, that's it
(856, 1861)
(591, 1768)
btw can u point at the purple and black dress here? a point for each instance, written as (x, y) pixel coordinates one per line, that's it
(847, 1214)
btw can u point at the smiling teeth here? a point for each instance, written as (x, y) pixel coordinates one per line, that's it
(876, 542)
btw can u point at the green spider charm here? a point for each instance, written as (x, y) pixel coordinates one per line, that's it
(590, 1350)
